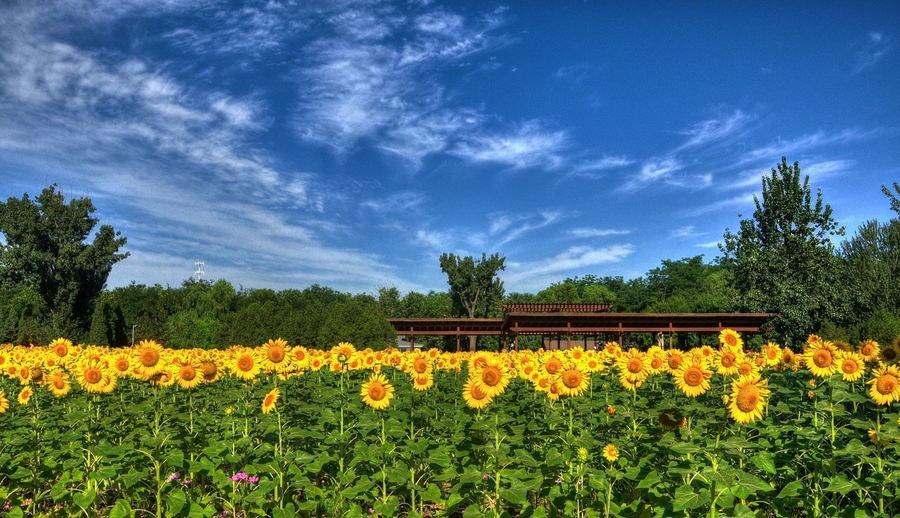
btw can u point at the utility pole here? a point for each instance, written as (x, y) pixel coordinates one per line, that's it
(199, 273)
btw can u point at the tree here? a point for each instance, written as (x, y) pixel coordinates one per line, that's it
(872, 257)
(46, 249)
(359, 321)
(895, 198)
(577, 290)
(474, 285)
(783, 258)
(108, 323)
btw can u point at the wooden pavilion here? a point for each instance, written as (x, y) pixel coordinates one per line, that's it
(576, 324)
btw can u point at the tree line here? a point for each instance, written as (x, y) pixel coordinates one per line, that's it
(788, 258)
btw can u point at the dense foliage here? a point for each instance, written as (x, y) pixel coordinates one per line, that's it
(47, 263)
(286, 431)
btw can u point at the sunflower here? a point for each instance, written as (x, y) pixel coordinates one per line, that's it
(674, 359)
(869, 350)
(121, 364)
(423, 381)
(885, 386)
(377, 392)
(657, 359)
(748, 398)
(268, 402)
(819, 358)
(611, 453)
(93, 377)
(730, 338)
(727, 360)
(188, 375)
(633, 368)
(4, 403)
(149, 356)
(60, 347)
(210, 370)
(772, 353)
(553, 364)
(25, 395)
(851, 365)
(692, 378)
(244, 364)
(276, 355)
(58, 383)
(474, 396)
(492, 378)
(343, 351)
(573, 382)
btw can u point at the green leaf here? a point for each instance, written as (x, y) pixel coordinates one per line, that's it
(765, 461)
(86, 498)
(686, 498)
(175, 501)
(790, 490)
(121, 509)
(650, 480)
(840, 484)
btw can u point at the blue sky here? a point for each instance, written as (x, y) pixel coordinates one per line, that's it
(350, 143)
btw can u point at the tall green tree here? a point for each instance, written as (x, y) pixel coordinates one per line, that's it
(47, 249)
(783, 258)
(894, 197)
(475, 286)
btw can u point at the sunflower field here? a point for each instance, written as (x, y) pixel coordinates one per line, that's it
(281, 430)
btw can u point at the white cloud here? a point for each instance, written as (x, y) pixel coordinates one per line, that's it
(585, 232)
(529, 145)
(735, 203)
(652, 172)
(537, 274)
(710, 244)
(400, 202)
(815, 170)
(715, 130)
(371, 81)
(773, 151)
(871, 51)
(685, 232)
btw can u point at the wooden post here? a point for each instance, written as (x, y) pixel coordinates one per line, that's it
(457, 338)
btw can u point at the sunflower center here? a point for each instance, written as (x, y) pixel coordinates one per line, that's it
(276, 355)
(822, 358)
(849, 366)
(149, 358)
(93, 375)
(747, 399)
(188, 373)
(635, 365)
(728, 359)
(886, 384)
(553, 366)
(270, 400)
(245, 363)
(571, 378)
(376, 391)
(61, 350)
(477, 393)
(122, 364)
(674, 362)
(731, 340)
(656, 362)
(420, 366)
(490, 376)
(866, 349)
(693, 377)
(59, 383)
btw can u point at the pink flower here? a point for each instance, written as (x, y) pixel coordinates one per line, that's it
(253, 480)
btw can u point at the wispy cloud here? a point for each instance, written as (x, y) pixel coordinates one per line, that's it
(773, 151)
(685, 232)
(715, 130)
(587, 232)
(369, 82)
(653, 171)
(815, 170)
(871, 51)
(529, 145)
(710, 244)
(537, 274)
(735, 203)
(402, 202)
